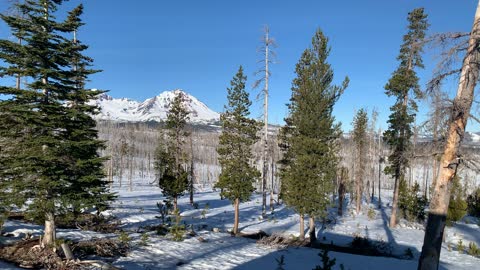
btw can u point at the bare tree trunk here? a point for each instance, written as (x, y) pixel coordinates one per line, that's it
(426, 183)
(302, 227)
(130, 175)
(366, 192)
(380, 160)
(266, 43)
(312, 233)
(396, 189)
(399, 172)
(373, 184)
(67, 251)
(175, 203)
(272, 177)
(462, 104)
(236, 220)
(110, 172)
(49, 235)
(434, 170)
(358, 195)
(121, 171)
(341, 195)
(279, 191)
(379, 183)
(191, 188)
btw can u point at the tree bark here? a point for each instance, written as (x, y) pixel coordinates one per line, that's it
(462, 104)
(130, 174)
(379, 182)
(373, 184)
(358, 196)
(396, 190)
(366, 192)
(192, 170)
(236, 220)
(312, 233)
(110, 172)
(67, 251)
(302, 227)
(272, 201)
(49, 235)
(341, 194)
(175, 203)
(265, 123)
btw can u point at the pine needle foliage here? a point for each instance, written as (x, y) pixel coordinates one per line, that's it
(170, 156)
(309, 140)
(239, 133)
(404, 87)
(360, 125)
(48, 140)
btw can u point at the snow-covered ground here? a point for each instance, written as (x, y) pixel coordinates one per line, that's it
(137, 209)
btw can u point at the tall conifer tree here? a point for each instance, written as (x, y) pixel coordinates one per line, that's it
(239, 133)
(310, 137)
(171, 158)
(403, 85)
(53, 161)
(360, 123)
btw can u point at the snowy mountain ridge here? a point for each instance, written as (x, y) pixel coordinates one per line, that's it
(152, 109)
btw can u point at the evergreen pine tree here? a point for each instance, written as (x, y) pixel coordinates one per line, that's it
(234, 150)
(311, 135)
(360, 123)
(52, 159)
(170, 157)
(402, 85)
(457, 208)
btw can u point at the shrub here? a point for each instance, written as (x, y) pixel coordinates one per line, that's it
(473, 249)
(144, 239)
(458, 206)
(473, 203)
(177, 229)
(460, 246)
(408, 254)
(327, 263)
(124, 238)
(195, 205)
(205, 211)
(161, 229)
(164, 208)
(371, 213)
(360, 242)
(411, 204)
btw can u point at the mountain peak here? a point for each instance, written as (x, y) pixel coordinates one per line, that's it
(151, 109)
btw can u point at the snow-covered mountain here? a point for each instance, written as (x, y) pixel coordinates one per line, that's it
(152, 109)
(472, 138)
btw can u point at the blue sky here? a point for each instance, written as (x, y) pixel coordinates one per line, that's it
(146, 47)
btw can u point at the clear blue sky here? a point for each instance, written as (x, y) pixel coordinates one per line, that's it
(146, 47)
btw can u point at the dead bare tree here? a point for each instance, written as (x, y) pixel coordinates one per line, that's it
(265, 49)
(450, 160)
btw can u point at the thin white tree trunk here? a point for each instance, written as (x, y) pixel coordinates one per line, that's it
(265, 128)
